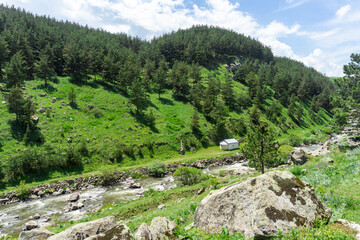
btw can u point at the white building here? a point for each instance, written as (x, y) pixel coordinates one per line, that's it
(229, 144)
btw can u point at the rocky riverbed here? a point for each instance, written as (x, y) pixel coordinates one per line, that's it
(83, 197)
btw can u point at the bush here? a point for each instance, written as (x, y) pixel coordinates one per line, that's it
(294, 140)
(157, 169)
(189, 175)
(284, 152)
(22, 190)
(327, 130)
(296, 170)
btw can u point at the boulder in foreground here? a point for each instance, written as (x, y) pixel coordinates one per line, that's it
(259, 207)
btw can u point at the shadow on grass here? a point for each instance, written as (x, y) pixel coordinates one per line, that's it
(166, 101)
(142, 118)
(49, 88)
(33, 138)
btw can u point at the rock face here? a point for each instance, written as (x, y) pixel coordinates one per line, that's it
(35, 234)
(87, 229)
(260, 206)
(160, 229)
(298, 157)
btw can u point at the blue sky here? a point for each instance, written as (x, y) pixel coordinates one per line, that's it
(320, 33)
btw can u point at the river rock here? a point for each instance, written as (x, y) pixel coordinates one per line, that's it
(31, 225)
(259, 207)
(74, 197)
(86, 229)
(35, 234)
(120, 231)
(298, 157)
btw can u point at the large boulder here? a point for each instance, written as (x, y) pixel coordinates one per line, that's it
(35, 234)
(298, 157)
(86, 229)
(120, 231)
(143, 233)
(160, 228)
(259, 207)
(74, 197)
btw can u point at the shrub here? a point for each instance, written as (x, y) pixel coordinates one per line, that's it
(188, 175)
(284, 152)
(136, 175)
(296, 170)
(327, 130)
(157, 169)
(22, 190)
(294, 140)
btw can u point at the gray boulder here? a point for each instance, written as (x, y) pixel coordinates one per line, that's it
(35, 234)
(160, 228)
(143, 233)
(86, 229)
(31, 225)
(120, 231)
(298, 157)
(74, 197)
(259, 207)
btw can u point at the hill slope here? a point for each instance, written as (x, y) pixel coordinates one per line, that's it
(128, 101)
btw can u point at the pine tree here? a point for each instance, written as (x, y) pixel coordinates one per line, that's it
(195, 123)
(15, 71)
(260, 147)
(228, 93)
(138, 95)
(43, 69)
(160, 77)
(4, 52)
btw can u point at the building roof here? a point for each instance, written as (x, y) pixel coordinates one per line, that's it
(229, 141)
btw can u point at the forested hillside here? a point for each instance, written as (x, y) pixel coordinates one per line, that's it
(74, 98)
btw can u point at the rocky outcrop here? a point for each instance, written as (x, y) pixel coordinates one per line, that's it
(86, 229)
(160, 228)
(298, 157)
(259, 207)
(84, 183)
(35, 234)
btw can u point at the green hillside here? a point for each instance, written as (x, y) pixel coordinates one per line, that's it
(121, 101)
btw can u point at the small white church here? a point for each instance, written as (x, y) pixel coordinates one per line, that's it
(229, 144)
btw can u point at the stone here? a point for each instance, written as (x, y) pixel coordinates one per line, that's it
(201, 190)
(42, 110)
(36, 216)
(120, 231)
(298, 157)
(143, 233)
(74, 197)
(31, 225)
(259, 207)
(35, 118)
(135, 185)
(353, 226)
(4, 200)
(86, 229)
(161, 228)
(3, 102)
(53, 99)
(161, 206)
(242, 170)
(69, 140)
(35, 234)
(42, 94)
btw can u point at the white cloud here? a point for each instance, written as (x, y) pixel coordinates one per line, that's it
(120, 28)
(293, 4)
(343, 11)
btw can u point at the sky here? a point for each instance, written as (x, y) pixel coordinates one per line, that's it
(320, 33)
